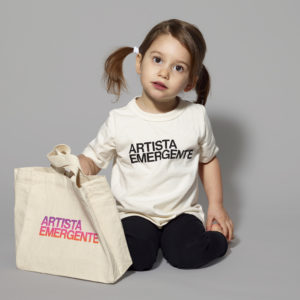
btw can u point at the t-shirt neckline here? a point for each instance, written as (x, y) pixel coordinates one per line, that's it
(157, 116)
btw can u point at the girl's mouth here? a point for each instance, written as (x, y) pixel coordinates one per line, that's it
(159, 85)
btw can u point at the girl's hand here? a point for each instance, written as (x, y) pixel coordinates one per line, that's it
(217, 212)
(85, 164)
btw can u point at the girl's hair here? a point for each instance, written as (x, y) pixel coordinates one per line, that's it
(187, 34)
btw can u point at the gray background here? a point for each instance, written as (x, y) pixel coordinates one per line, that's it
(52, 55)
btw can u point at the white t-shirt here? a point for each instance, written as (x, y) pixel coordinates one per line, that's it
(155, 159)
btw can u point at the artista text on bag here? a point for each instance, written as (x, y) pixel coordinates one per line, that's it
(66, 228)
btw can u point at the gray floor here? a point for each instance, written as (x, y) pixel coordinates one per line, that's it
(253, 60)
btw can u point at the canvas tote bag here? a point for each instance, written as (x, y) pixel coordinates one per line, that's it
(67, 223)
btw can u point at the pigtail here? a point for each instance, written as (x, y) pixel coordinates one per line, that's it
(113, 71)
(202, 86)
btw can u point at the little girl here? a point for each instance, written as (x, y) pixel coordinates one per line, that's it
(159, 144)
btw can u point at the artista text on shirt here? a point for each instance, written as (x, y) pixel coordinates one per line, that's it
(157, 150)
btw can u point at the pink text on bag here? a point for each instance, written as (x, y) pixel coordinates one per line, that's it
(66, 228)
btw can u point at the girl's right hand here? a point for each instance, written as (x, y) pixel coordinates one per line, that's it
(87, 165)
(84, 164)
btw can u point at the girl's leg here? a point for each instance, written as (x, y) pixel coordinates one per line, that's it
(185, 243)
(143, 240)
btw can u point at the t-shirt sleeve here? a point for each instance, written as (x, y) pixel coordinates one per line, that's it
(208, 148)
(103, 147)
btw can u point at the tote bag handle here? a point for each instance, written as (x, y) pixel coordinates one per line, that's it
(65, 163)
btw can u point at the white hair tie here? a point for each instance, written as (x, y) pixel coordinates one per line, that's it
(136, 50)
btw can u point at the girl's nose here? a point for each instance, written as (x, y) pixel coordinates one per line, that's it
(164, 72)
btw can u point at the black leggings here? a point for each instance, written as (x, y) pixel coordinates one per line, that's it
(184, 242)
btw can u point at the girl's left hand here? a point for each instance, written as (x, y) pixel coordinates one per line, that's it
(218, 213)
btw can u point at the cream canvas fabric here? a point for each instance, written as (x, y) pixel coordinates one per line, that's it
(67, 223)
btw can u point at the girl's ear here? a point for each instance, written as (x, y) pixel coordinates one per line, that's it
(138, 63)
(191, 85)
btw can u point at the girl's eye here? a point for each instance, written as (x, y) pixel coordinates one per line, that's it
(179, 67)
(155, 57)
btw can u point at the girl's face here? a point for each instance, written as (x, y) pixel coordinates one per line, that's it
(168, 62)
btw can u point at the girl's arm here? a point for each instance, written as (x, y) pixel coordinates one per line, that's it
(87, 165)
(210, 175)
